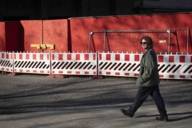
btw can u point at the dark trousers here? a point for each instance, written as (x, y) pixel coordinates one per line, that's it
(143, 93)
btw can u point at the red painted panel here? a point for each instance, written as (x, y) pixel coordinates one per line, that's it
(32, 33)
(2, 36)
(177, 22)
(160, 58)
(182, 59)
(127, 57)
(46, 31)
(117, 57)
(55, 32)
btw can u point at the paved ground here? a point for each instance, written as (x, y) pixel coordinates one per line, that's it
(31, 101)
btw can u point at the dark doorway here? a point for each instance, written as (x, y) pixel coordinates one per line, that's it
(14, 36)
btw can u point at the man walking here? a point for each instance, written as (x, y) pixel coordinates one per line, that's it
(148, 82)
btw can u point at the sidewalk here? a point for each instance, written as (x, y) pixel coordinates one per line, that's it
(31, 101)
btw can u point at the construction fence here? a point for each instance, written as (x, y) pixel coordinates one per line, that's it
(171, 66)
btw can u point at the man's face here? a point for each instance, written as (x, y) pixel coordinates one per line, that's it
(144, 44)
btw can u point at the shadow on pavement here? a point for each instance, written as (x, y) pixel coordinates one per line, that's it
(172, 116)
(83, 96)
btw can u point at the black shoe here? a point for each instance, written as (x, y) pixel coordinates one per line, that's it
(127, 112)
(162, 118)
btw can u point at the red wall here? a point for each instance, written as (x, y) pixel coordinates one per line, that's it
(2, 36)
(80, 27)
(32, 33)
(54, 32)
(73, 34)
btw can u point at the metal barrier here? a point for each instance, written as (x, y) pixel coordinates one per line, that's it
(119, 64)
(171, 66)
(74, 63)
(38, 63)
(175, 66)
(6, 62)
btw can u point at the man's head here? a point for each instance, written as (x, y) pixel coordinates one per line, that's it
(146, 42)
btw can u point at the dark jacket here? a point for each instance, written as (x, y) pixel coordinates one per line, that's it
(149, 75)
